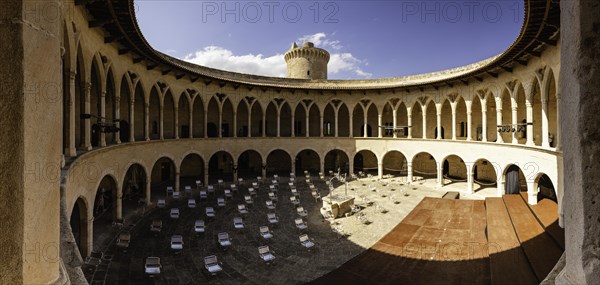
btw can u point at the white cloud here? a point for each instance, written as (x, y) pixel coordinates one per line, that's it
(321, 40)
(221, 58)
(344, 65)
(346, 62)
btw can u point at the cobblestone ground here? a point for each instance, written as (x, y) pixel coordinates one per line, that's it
(383, 207)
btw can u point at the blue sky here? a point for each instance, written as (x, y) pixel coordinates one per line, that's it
(367, 39)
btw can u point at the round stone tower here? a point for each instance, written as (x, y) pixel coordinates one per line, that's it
(307, 62)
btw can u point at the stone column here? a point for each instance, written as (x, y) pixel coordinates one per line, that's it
(395, 123)
(119, 206)
(70, 148)
(31, 145)
(206, 171)
(307, 124)
(453, 105)
(235, 125)
(220, 126)
(293, 125)
(293, 169)
(250, 123)
(579, 85)
(117, 116)
(409, 113)
(350, 123)
(365, 124)
(279, 122)
(484, 124)
(470, 189)
(529, 126)
(440, 176)
(177, 186)
(499, 122)
(206, 122)
(88, 236)
(336, 122)
(148, 191)
(235, 173)
(514, 122)
(557, 137)
(176, 122)
(532, 192)
(380, 170)
(191, 122)
(147, 121)
(409, 172)
(545, 142)
(132, 121)
(379, 124)
(321, 127)
(469, 124)
(439, 125)
(161, 126)
(87, 124)
(102, 119)
(351, 166)
(424, 109)
(264, 125)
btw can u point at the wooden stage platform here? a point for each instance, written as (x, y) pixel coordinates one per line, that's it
(444, 241)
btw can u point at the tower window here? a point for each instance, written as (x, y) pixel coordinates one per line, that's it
(308, 72)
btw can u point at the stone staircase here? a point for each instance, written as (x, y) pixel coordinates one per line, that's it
(525, 240)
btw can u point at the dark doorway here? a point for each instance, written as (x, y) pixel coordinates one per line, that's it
(124, 131)
(211, 130)
(185, 131)
(165, 171)
(512, 184)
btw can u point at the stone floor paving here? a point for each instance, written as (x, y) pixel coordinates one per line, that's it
(241, 263)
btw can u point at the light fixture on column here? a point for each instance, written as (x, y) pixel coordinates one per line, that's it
(105, 127)
(511, 128)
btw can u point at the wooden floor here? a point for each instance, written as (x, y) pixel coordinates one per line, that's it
(444, 241)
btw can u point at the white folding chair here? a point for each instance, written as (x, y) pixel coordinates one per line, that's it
(294, 200)
(272, 196)
(272, 218)
(228, 194)
(199, 226)
(191, 203)
(301, 212)
(210, 212)
(251, 191)
(248, 200)
(238, 223)
(203, 195)
(188, 190)
(156, 226)
(306, 242)
(265, 232)
(174, 213)
(161, 203)
(242, 209)
(265, 254)
(176, 242)
(300, 224)
(210, 189)
(270, 205)
(212, 264)
(152, 265)
(221, 202)
(224, 240)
